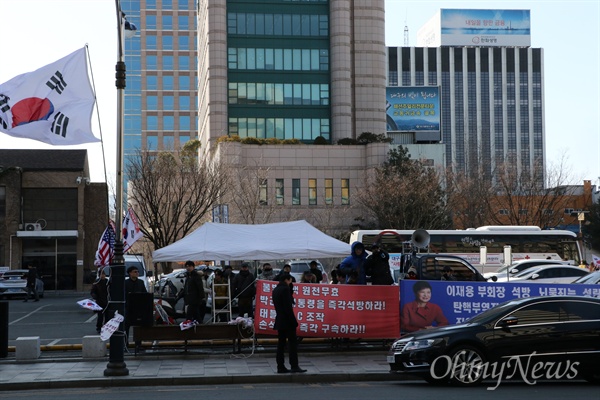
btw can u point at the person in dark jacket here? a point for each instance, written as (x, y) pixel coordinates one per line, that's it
(193, 293)
(244, 290)
(32, 283)
(99, 293)
(287, 269)
(314, 269)
(377, 266)
(132, 285)
(353, 266)
(285, 324)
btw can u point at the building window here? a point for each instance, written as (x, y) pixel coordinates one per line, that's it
(523, 211)
(167, 82)
(150, 22)
(279, 191)
(345, 192)
(184, 122)
(167, 22)
(151, 42)
(184, 83)
(168, 103)
(312, 192)
(151, 82)
(296, 192)
(168, 122)
(262, 192)
(328, 191)
(168, 143)
(568, 211)
(151, 142)
(503, 211)
(152, 103)
(152, 122)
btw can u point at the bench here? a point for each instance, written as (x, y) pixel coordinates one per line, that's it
(201, 332)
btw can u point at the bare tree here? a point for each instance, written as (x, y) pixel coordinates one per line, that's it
(172, 192)
(249, 193)
(405, 194)
(531, 196)
(469, 196)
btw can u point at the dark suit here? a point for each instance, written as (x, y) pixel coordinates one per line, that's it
(285, 324)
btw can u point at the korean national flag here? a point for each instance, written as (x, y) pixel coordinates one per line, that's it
(53, 104)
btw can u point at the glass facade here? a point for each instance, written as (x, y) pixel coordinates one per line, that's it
(160, 97)
(491, 101)
(278, 69)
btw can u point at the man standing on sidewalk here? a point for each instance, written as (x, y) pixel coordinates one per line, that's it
(285, 324)
(32, 283)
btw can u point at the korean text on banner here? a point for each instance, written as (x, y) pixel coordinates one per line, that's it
(340, 311)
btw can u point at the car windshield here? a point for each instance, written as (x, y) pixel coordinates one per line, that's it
(14, 274)
(300, 267)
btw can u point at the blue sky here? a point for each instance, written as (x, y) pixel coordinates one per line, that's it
(42, 31)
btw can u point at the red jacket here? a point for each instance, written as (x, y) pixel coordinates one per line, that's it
(415, 318)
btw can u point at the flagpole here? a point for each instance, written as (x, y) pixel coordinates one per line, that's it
(116, 365)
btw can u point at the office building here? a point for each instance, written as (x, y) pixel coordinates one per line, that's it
(266, 69)
(491, 88)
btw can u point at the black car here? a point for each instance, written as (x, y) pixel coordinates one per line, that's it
(528, 338)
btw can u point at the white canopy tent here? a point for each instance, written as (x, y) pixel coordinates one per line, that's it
(283, 240)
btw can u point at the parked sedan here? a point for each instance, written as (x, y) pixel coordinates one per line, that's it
(525, 337)
(519, 266)
(14, 283)
(593, 278)
(547, 274)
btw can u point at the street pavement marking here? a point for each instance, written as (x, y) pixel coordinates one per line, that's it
(27, 315)
(92, 318)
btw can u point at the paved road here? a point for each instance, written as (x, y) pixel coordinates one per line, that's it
(56, 319)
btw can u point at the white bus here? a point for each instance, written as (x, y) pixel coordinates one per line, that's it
(527, 242)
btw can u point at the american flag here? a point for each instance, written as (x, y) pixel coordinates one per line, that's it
(106, 246)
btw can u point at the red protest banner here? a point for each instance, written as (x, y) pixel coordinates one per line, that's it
(352, 311)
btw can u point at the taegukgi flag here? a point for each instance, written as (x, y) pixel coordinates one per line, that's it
(53, 104)
(131, 230)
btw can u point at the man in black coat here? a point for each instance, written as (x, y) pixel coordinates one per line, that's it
(244, 290)
(32, 283)
(132, 285)
(285, 324)
(193, 293)
(314, 269)
(99, 293)
(377, 265)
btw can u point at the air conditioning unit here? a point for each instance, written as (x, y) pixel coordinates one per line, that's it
(33, 226)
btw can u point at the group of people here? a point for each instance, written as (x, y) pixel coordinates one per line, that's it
(355, 268)
(100, 292)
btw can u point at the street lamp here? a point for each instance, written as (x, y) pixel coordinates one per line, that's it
(116, 365)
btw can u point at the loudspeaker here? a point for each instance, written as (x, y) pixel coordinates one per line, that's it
(139, 309)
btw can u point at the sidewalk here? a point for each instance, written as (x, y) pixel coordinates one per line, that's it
(193, 369)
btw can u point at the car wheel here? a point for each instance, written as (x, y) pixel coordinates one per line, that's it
(468, 365)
